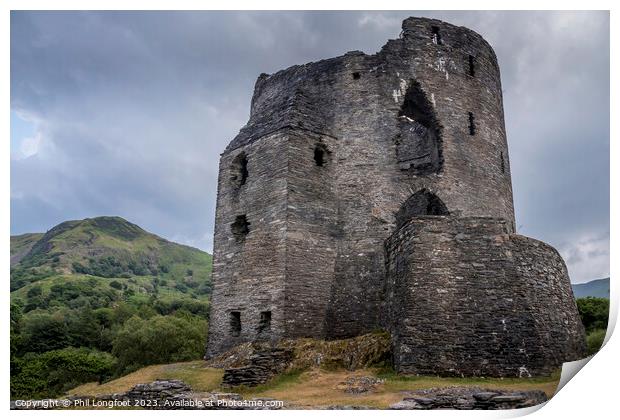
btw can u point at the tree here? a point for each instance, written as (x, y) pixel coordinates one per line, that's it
(161, 339)
(116, 285)
(51, 373)
(43, 332)
(34, 291)
(594, 312)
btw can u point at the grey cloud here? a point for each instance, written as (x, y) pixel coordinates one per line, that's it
(133, 109)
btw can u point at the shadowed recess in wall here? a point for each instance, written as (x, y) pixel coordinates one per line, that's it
(240, 227)
(419, 141)
(421, 203)
(239, 170)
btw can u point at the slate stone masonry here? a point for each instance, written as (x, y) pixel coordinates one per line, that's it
(341, 154)
(465, 297)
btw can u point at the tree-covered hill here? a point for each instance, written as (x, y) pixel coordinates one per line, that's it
(96, 298)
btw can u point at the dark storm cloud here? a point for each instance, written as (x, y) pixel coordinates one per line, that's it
(131, 109)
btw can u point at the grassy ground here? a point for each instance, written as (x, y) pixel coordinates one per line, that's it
(319, 388)
(315, 387)
(199, 377)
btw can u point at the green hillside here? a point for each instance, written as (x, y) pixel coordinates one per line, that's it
(96, 298)
(21, 245)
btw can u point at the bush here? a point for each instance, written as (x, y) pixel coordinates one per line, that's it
(595, 340)
(193, 306)
(65, 291)
(52, 373)
(43, 332)
(116, 285)
(594, 313)
(204, 289)
(22, 276)
(34, 291)
(161, 339)
(37, 302)
(16, 314)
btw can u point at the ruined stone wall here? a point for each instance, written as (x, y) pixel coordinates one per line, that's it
(465, 297)
(249, 270)
(372, 183)
(424, 113)
(311, 234)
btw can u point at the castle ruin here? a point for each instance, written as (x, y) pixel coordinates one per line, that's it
(374, 192)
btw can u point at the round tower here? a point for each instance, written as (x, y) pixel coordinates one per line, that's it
(450, 137)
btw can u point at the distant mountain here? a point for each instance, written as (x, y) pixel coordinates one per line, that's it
(107, 248)
(100, 297)
(594, 288)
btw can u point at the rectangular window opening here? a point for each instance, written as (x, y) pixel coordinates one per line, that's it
(264, 324)
(436, 35)
(240, 227)
(235, 323)
(472, 65)
(472, 124)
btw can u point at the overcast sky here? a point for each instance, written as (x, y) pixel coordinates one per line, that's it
(126, 113)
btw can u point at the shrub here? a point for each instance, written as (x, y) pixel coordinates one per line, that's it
(22, 276)
(594, 313)
(161, 339)
(37, 302)
(193, 306)
(116, 285)
(52, 373)
(43, 332)
(595, 340)
(34, 291)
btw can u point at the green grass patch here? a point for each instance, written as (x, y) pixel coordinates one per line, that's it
(391, 376)
(595, 339)
(278, 383)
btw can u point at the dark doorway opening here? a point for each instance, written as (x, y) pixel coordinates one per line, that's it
(422, 203)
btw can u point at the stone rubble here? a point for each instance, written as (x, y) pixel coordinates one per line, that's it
(463, 398)
(263, 366)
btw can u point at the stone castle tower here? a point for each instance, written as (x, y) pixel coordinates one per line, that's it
(374, 191)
